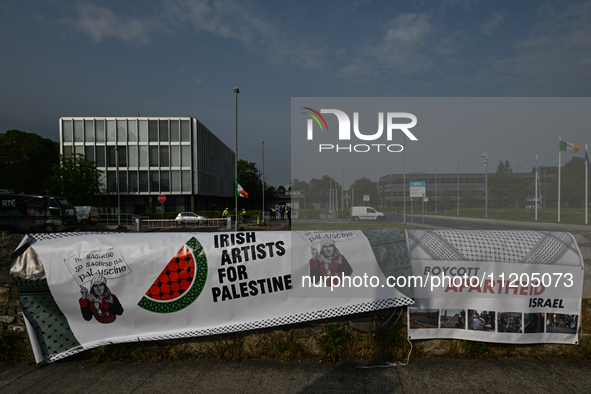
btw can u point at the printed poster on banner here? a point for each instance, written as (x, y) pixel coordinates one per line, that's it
(115, 288)
(496, 286)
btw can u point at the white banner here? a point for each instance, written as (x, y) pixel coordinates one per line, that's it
(496, 286)
(112, 288)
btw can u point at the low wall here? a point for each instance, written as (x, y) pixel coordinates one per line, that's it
(306, 337)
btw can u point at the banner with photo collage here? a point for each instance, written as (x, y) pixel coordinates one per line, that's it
(510, 286)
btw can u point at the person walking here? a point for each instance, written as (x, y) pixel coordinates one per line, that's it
(288, 216)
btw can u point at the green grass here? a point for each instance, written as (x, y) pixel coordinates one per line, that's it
(548, 215)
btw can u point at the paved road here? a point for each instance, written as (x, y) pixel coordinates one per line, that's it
(428, 375)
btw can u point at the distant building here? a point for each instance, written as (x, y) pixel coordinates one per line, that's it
(391, 187)
(177, 157)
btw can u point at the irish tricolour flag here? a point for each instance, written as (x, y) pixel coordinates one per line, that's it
(569, 147)
(240, 192)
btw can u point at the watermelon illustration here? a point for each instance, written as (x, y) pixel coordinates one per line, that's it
(181, 281)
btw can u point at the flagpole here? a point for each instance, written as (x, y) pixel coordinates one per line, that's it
(536, 186)
(586, 183)
(559, 162)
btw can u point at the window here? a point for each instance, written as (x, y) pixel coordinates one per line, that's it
(175, 177)
(100, 156)
(89, 151)
(186, 179)
(78, 131)
(143, 181)
(186, 156)
(132, 131)
(100, 131)
(111, 132)
(132, 180)
(153, 156)
(122, 156)
(144, 156)
(174, 130)
(154, 182)
(164, 161)
(175, 156)
(67, 130)
(185, 131)
(121, 131)
(111, 181)
(164, 181)
(133, 155)
(89, 130)
(153, 130)
(67, 151)
(143, 131)
(122, 181)
(163, 130)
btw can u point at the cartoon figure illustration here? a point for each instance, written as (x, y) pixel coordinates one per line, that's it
(328, 263)
(100, 302)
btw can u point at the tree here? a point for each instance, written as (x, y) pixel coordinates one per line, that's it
(362, 187)
(319, 190)
(507, 189)
(76, 178)
(26, 160)
(300, 186)
(504, 168)
(445, 199)
(468, 196)
(250, 178)
(572, 184)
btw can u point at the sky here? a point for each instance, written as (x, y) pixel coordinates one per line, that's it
(184, 58)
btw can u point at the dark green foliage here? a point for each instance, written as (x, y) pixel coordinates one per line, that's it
(572, 185)
(509, 190)
(26, 160)
(331, 342)
(76, 178)
(363, 186)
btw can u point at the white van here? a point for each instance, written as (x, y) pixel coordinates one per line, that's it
(366, 213)
(87, 215)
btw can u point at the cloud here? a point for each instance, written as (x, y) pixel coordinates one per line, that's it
(496, 20)
(100, 23)
(247, 24)
(555, 57)
(400, 47)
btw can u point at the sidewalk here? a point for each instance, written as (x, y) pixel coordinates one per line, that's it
(427, 375)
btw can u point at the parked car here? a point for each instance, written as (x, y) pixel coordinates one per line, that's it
(366, 213)
(186, 216)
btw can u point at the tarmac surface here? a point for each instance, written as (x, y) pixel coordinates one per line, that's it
(427, 375)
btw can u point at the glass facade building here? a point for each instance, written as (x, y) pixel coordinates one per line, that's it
(144, 157)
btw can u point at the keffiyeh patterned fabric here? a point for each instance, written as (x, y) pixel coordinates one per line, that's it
(513, 246)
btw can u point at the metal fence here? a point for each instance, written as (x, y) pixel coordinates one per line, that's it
(172, 223)
(127, 219)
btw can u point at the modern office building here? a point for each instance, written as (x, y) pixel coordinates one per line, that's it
(391, 187)
(145, 157)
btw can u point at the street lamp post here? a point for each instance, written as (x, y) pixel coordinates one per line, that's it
(391, 193)
(118, 197)
(263, 221)
(236, 91)
(345, 202)
(485, 156)
(544, 195)
(336, 198)
(458, 188)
